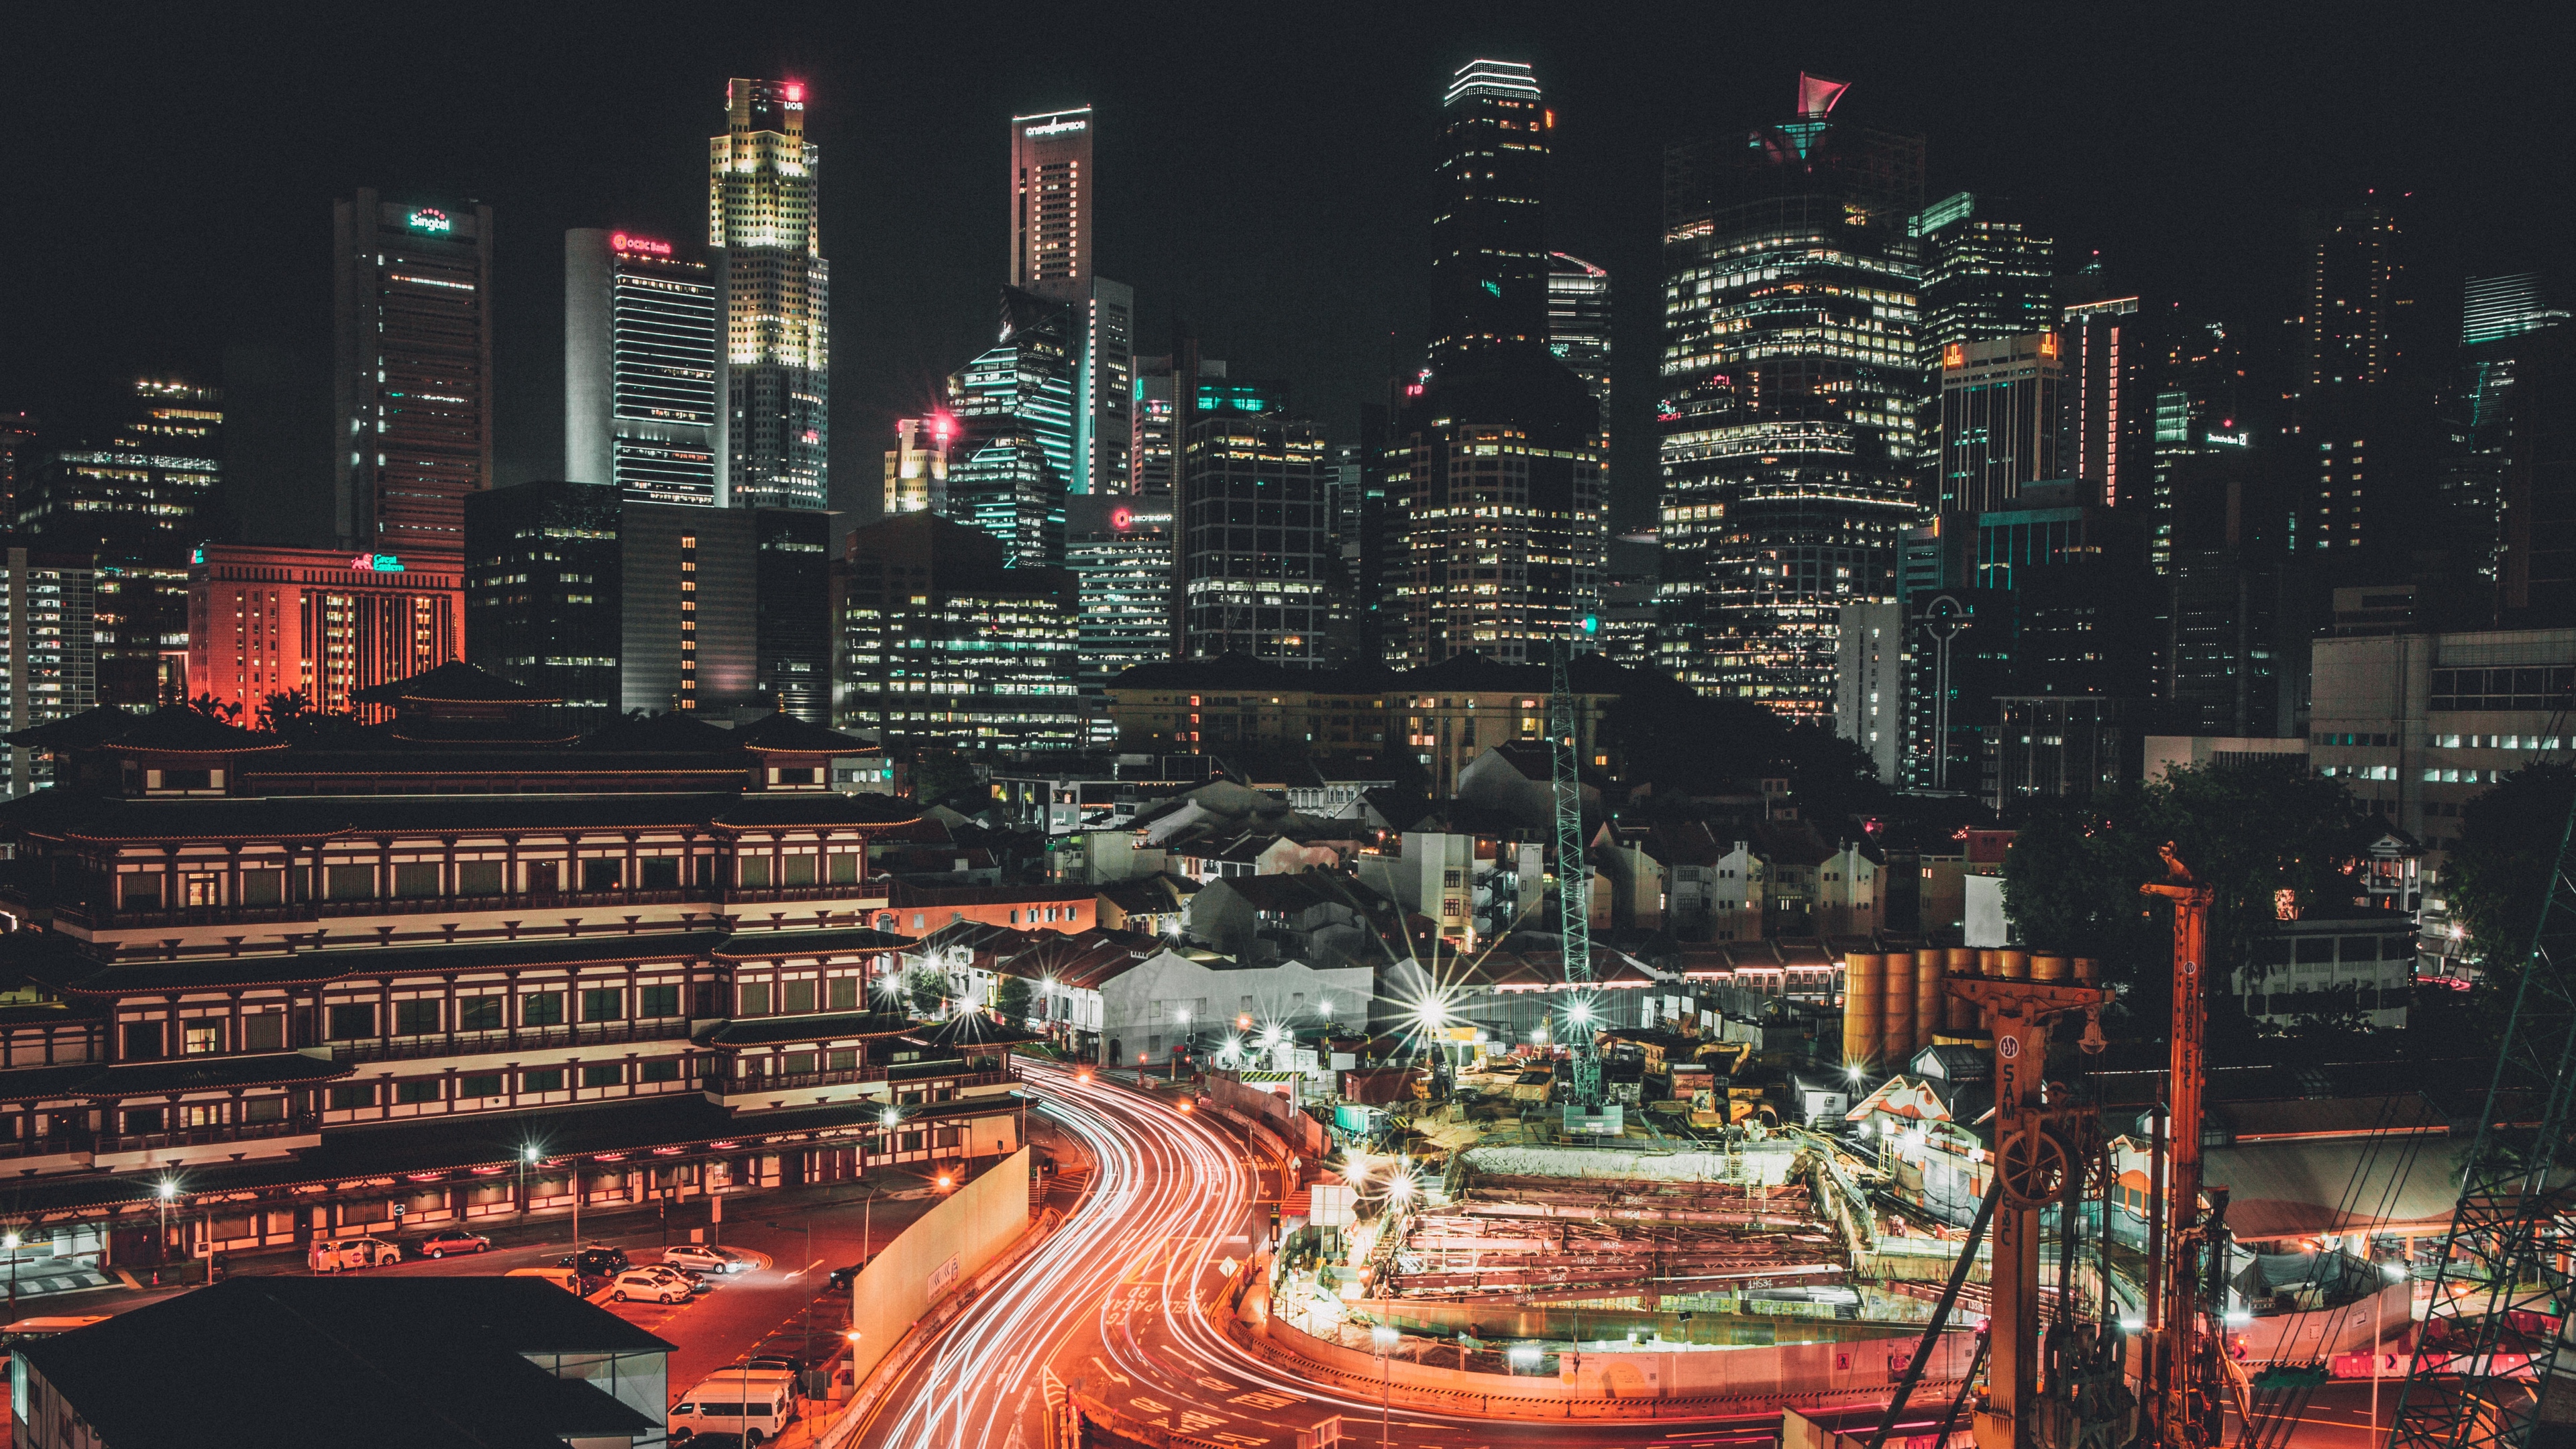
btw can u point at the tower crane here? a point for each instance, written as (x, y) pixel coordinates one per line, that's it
(1585, 1111)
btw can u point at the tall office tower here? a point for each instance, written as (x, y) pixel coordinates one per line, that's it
(1793, 395)
(916, 467)
(412, 390)
(151, 484)
(2199, 402)
(1630, 582)
(2501, 319)
(48, 648)
(1119, 551)
(1983, 277)
(138, 505)
(644, 368)
(1051, 218)
(943, 644)
(763, 210)
(1014, 447)
(17, 459)
(1153, 430)
(1253, 542)
(2521, 376)
(1500, 503)
(1489, 262)
(2108, 400)
(1999, 420)
(651, 606)
(1869, 683)
(2355, 281)
(1578, 324)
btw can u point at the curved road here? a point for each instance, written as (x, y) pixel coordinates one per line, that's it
(1113, 1301)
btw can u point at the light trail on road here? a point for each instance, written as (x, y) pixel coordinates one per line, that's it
(1117, 1300)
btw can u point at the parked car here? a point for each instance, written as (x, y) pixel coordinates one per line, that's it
(786, 1363)
(847, 1273)
(333, 1255)
(646, 1284)
(597, 1262)
(452, 1240)
(701, 1258)
(697, 1282)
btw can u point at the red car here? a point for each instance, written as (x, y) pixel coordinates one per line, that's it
(453, 1240)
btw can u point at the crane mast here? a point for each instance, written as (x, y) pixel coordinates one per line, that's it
(1584, 1109)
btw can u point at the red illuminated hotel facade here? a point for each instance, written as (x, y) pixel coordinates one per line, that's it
(331, 623)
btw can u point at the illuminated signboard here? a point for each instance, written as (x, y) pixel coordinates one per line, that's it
(1057, 128)
(2231, 440)
(624, 243)
(429, 218)
(377, 563)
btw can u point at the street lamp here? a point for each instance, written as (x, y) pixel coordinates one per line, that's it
(11, 1243)
(1385, 1339)
(528, 1159)
(161, 1250)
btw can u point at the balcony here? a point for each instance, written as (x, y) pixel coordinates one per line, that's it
(62, 1152)
(526, 1038)
(206, 1144)
(803, 1089)
(102, 918)
(771, 895)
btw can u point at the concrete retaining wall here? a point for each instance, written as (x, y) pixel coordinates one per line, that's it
(943, 1248)
(1623, 1384)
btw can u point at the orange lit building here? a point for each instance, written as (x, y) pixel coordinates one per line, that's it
(265, 620)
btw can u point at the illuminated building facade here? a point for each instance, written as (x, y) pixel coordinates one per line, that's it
(265, 621)
(1578, 325)
(611, 605)
(2200, 427)
(916, 467)
(1494, 465)
(48, 646)
(530, 940)
(2354, 286)
(1984, 277)
(945, 645)
(412, 390)
(763, 212)
(1254, 542)
(2108, 396)
(1999, 420)
(1119, 551)
(1015, 447)
(137, 504)
(1793, 397)
(1052, 211)
(645, 368)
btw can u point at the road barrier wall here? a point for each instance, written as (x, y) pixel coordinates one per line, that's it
(943, 1248)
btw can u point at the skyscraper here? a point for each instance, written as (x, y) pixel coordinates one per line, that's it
(2199, 402)
(48, 648)
(1998, 420)
(1793, 395)
(1489, 263)
(1494, 467)
(2353, 288)
(1578, 324)
(916, 467)
(412, 371)
(1051, 216)
(1013, 409)
(1984, 276)
(1119, 551)
(644, 368)
(2363, 434)
(2109, 401)
(762, 210)
(944, 644)
(1253, 541)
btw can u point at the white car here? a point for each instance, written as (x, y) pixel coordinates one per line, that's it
(701, 1259)
(331, 1255)
(650, 1285)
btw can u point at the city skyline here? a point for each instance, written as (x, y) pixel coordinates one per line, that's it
(909, 195)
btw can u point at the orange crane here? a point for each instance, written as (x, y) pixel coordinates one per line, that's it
(2187, 1247)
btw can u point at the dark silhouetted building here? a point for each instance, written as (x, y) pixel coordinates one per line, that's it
(1578, 324)
(613, 605)
(1254, 540)
(412, 390)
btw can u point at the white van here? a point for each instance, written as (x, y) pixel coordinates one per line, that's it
(755, 1403)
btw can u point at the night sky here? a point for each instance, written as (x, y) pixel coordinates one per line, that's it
(1263, 170)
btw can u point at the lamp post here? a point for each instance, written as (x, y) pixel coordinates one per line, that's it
(1385, 1338)
(527, 1159)
(161, 1249)
(11, 1243)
